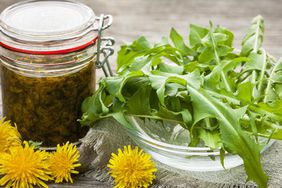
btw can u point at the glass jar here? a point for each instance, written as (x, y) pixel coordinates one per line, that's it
(48, 56)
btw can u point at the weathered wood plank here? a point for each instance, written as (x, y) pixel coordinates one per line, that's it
(82, 183)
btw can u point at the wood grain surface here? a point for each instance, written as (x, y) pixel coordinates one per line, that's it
(154, 18)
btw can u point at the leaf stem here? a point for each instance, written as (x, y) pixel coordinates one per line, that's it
(208, 123)
(262, 72)
(269, 83)
(217, 59)
(222, 96)
(255, 50)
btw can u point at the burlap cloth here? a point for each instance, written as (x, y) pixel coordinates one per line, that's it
(107, 136)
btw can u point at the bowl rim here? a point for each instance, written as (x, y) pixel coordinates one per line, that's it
(147, 138)
(176, 149)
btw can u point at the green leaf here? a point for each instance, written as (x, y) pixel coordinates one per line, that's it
(272, 111)
(245, 91)
(222, 156)
(93, 107)
(256, 61)
(275, 77)
(183, 117)
(220, 37)
(229, 34)
(158, 83)
(138, 63)
(115, 84)
(139, 102)
(258, 65)
(119, 117)
(211, 138)
(196, 35)
(35, 144)
(223, 50)
(128, 53)
(218, 61)
(261, 79)
(205, 106)
(171, 68)
(179, 43)
(230, 65)
(248, 150)
(159, 80)
(223, 98)
(207, 55)
(252, 42)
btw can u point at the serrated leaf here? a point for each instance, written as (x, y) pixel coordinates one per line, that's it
(245, 91)
(115, 84)
(256, 61)
(139, 102)
(258, 65)
(218, 61)
(211, 138)
(220, 37)
(205, 106)
(275, 77)
(179, 43)
(196, 34)
(164, 67)
(229, 65)
(222, 156)
(93, 106)
(207, 55)
(254, 37)
(223, 50)
(208, 83)
(230, 36)
(272, 111)
(127, 53)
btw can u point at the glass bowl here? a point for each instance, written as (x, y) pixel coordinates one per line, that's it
(167, 143)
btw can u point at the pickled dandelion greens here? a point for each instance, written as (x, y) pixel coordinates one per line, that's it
(28, 100)
(226, 99)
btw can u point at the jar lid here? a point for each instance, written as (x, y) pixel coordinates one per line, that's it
(47, 27)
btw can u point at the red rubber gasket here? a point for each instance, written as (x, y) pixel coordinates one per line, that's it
(54, 52)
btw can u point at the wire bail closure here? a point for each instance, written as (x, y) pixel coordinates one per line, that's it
(104, 46)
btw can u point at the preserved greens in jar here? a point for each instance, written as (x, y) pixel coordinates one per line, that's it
(46, 108)
(48, 55)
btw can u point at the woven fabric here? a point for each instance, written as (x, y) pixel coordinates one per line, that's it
(107, 136)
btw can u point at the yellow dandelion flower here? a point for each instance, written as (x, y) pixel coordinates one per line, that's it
(9, 136)
(132, 168)
(63, 162)
(24, 167)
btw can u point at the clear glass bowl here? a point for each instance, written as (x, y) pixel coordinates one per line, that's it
(167, 143)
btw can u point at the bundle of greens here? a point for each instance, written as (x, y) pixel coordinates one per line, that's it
(226, 99)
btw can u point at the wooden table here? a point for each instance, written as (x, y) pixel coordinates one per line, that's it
(154, 18)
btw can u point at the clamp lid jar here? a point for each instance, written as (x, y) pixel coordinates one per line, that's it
(48, 57)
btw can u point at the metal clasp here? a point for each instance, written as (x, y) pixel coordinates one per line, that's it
(104, 46)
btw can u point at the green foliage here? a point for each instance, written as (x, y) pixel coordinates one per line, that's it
(254, 37)
(224, 98)
(35, 144)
